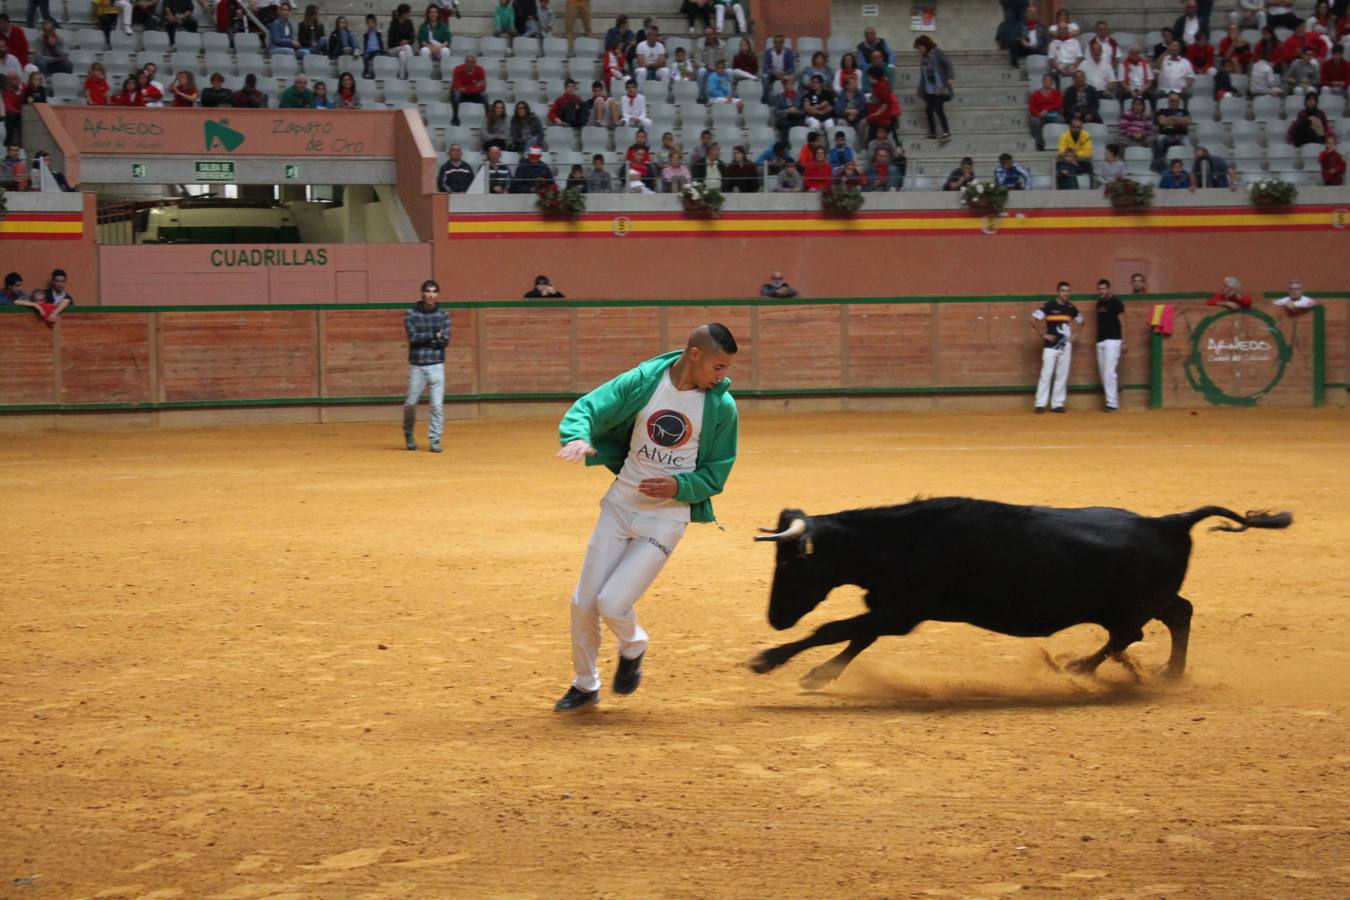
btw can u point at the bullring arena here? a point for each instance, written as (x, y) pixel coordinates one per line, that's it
(254, 648)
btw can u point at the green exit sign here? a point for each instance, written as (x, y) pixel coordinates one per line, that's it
(214, 170)
(292, 172)
(138, 170)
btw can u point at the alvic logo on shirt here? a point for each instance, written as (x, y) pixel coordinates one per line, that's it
(669, 428)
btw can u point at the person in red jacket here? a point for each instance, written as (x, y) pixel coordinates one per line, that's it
(568, 110)
(1335, 72)
(818, 173)
(1237, 48)
(468, 84)
(96, 86)
(1045, 105)
(1201, 54)
(1333, 164)
(18, 41)
(883, 107)
(1231, 295)
(1293, 46)
(130, 94)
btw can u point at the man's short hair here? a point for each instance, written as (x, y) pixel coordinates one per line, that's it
(1005, 157)
(839, 134)
(431, 285)
(965, 160)
(1103, 282)
(59, 273)
(713, 336)
(370, 17)
(599, 157)
(569, 81)
(12, 279)
(403, 8)
(597, 84)
(1062, 284)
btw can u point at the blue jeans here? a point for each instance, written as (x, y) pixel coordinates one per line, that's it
(419, 379)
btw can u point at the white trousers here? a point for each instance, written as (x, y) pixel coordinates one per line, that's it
(624, 556)
(662, 74)
(124, 10)
(1054, 368)
(431, 379)
(720, 15)
(404, 53)
(1108, 357)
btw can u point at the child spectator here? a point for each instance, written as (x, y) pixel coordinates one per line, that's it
(347, 96)
(1332, 163)
(841, 154)
(1176, 177)
(96, 86)
(789, 179)
(184, 89)
(599, 181)
(1113, 166)
(674, 175)
(742, 175)
(818, 174)
(543, 289)
(217, 94)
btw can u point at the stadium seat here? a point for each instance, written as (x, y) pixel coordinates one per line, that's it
(82, 59)
(1240, 84)
(519, 70)
(1232, 108)
(1292, 104)
(218, 62)
(494, 66)
(472, 115)
(179, 61)
(397, 91)
(1281, 156)
(550, 67)
(1042, 183)
(498, 89)
(1266, 108)
(420, 67)
(587, 48)
(89, 39)
(749, 90)
(1109, 110)
(123, 42)
(429, 90)
(384, 67)
(1332, 104)
(1247, 156)
(1052, 131)
(187, 40)
(559, 137)
(1246, 132)
(116, 61)
(673, 42)
(1201, 108)
(157, 41)
(555, 47)
(215, 42)
(493, 46)
(685, 92)
(806, 46)
(64, 85)
(285, 66)
(525, 48)
(1276, 132)
(316, 65)
(725, 116)
(461, 45)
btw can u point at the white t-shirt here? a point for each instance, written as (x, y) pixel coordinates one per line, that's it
(1066, 52)
(634, 107)
(1304, 302)
(1099, 74)
(1173, 73)
(650, 54)
(665, 441)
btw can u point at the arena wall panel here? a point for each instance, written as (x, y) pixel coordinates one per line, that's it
(151, 358)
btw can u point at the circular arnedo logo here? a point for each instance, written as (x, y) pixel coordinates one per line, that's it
(669, 428)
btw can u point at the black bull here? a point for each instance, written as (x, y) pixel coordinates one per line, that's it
(1028, 571)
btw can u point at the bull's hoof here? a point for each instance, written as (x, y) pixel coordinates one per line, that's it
(764, 662)
(1176, 673)
(817, 679)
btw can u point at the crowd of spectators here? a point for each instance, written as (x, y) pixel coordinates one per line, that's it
(1300, 56)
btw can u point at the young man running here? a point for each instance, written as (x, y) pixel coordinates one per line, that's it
(667, 429)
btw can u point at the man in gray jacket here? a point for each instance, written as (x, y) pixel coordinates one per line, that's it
(428, 330)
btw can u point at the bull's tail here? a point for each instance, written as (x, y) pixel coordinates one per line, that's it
(1260, 518)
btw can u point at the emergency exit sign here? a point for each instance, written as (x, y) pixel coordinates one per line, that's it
(214, 170)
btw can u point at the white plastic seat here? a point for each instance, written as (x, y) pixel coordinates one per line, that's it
(187, 40)
(284, 65)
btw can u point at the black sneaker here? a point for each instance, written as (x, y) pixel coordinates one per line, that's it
(1058, 409)
(576, 699)
(409, 441)
(1039, 410)
(629, 674)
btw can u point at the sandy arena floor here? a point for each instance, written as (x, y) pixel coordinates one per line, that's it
(298, 661)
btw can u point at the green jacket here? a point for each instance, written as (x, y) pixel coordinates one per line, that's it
(293, 99)
(604, 419)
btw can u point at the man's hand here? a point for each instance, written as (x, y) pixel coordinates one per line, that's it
(576, 451)
(1049, 338)
(663, 488)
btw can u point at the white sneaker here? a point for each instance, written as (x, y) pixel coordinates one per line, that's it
(126, 29)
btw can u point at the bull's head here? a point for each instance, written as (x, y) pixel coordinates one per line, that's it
(800, 582)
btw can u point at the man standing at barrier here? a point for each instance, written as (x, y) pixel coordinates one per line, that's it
(428, 329)
(1058, 316)
(668, 430)
(1110, 341)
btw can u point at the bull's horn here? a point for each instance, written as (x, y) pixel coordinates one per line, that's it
(791, 533)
